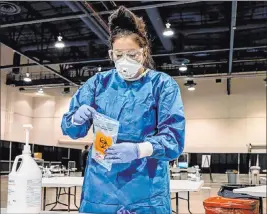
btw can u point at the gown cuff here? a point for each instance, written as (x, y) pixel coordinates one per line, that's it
(145, 149)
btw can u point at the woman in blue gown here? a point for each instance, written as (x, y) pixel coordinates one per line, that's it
(148, 105)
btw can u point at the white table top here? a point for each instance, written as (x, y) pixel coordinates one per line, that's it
(258, 191)
(185, 186)
(62, 182)
(175, 185)
(189, 170)
(3, 211)
(263, 178)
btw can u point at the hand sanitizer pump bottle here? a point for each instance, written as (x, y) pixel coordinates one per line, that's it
(25, 182)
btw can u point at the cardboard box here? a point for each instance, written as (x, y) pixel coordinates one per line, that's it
(38, 155)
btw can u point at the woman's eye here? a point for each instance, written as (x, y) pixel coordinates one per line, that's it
(131, 55)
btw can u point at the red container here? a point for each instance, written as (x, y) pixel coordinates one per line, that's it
(220, 205)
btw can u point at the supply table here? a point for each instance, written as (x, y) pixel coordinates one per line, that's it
(257, 191)
(189, 170)
(58, 183)
(177, 186)
(263, 180)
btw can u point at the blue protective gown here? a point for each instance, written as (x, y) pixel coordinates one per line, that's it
(149, 109)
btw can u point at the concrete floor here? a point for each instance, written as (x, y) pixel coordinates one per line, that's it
(196, 198)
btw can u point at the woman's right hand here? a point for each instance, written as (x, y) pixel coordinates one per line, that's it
(82, 115)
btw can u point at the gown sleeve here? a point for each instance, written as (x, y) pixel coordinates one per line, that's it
(84, 95)
(168, 143)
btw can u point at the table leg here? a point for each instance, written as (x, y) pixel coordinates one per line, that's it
(261, 206)
(188, 202)
(59, 194)
(177, 203)
(55, 204)
(75, 193)
(44, 199)
(69, 200)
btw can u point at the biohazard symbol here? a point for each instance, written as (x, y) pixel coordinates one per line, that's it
(102, 142)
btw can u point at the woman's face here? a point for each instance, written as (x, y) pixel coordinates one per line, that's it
(127, 45)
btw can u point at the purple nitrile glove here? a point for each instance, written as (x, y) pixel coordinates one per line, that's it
(123, 211)
(82, 115)
(122, 153)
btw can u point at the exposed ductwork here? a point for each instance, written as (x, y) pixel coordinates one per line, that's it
(254, 48)
(250, 74)
(89, 21)
(52, 45)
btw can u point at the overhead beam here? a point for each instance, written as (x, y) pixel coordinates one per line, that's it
(221, 29)
(76, 15)
(89, 21)
(232, 37)
(82, 15)
(36, 62)
(209, 51)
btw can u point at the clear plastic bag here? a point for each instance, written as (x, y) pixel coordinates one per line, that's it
(105, 135)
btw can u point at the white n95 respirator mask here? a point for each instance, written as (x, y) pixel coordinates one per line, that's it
(128, 68)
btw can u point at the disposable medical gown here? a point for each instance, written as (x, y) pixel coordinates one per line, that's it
(149, 109)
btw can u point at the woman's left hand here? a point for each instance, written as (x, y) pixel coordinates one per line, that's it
(122, 153)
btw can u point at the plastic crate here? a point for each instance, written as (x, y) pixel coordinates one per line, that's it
(220, 205)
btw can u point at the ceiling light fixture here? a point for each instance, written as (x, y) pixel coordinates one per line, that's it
(59, 43)
(40, 91)
(168, 31)
(27, 77)
(190, 84)
(183, 68)
(191, 88)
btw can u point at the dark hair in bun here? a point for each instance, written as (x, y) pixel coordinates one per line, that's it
(123, 23)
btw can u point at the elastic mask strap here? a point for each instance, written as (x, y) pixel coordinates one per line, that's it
(139, 77)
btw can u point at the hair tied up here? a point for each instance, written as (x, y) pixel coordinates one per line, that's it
(122, 23)
(124, 20)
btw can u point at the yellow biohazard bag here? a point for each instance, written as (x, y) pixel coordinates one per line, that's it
(105, 135)
(102, 142)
